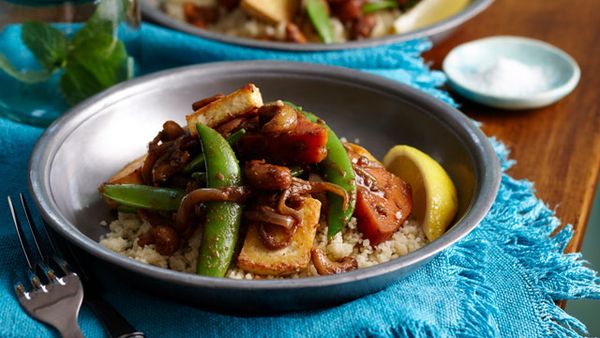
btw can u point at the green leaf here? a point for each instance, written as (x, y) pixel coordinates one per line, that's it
(91, 29)
(94, 65)
(46, 43)
(27, 77)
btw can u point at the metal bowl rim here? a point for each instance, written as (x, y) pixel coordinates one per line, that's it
(488, 172)
(474, 8)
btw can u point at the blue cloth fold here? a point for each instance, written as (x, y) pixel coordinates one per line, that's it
(501, 280)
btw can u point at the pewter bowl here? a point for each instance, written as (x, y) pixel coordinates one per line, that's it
(98, 137)
(436, 32)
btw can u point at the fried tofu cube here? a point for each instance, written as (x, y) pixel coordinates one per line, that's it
(257, 258)
(238, 103)
(271, 11)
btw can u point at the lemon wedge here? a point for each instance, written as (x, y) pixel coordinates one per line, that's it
(428, 12)
(434, 195)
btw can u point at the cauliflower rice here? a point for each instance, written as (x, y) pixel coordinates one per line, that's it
(124, 232)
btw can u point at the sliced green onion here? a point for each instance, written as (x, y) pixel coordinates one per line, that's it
(197, 163)
(235, 137)
(380, 5)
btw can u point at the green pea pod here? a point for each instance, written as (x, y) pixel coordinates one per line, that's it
(318, 13)
(144, 196)
(376, 6)
(223, 219)
(336, 168)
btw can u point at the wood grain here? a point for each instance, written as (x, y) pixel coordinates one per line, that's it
(557, 147)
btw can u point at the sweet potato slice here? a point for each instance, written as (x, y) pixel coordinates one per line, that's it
(256, 257)
(384, 201)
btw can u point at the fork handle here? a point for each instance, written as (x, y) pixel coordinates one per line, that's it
(70, 329)
(116, 325)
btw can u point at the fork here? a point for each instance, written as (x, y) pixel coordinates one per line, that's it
(114, 323)
(57, 302)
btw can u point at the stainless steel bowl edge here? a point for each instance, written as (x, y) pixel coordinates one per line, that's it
(436, 32)
(341, 287)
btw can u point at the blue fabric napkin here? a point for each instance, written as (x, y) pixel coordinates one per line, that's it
(501, 280)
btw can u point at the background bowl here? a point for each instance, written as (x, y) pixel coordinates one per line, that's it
(95, 139)
(436, 32)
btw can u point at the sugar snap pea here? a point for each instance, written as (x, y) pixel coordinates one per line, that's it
(318, 13)
(221, 229)
(197, 162)
(336, 168)
(143, 196)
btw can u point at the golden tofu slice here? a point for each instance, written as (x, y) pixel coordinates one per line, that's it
(229, 107)
(257, 258)
(130, 174)
(271, 11)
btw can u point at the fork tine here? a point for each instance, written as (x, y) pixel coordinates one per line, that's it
(20, 235)
(56, 256)
(43, 265)
(53, 246)
(34, 232)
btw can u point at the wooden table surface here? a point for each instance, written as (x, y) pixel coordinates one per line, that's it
(557, 147)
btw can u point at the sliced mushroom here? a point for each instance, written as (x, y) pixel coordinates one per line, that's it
(279, 117)
(325, 266)
(189, 201)
(267, 176)
(275, 237)
(164, 238)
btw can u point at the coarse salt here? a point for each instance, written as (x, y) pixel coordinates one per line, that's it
(510, 77)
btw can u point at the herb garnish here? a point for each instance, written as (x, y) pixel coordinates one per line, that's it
(91, 61)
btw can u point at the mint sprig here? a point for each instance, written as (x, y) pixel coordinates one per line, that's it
(93, 65)
(91, 61)
(46, 43)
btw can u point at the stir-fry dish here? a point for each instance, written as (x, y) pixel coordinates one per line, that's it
(253, 190)
(296, 21)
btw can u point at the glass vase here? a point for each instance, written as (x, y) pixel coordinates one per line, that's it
(55, 54)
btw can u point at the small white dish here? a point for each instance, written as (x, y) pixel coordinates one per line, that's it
(474, 69)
